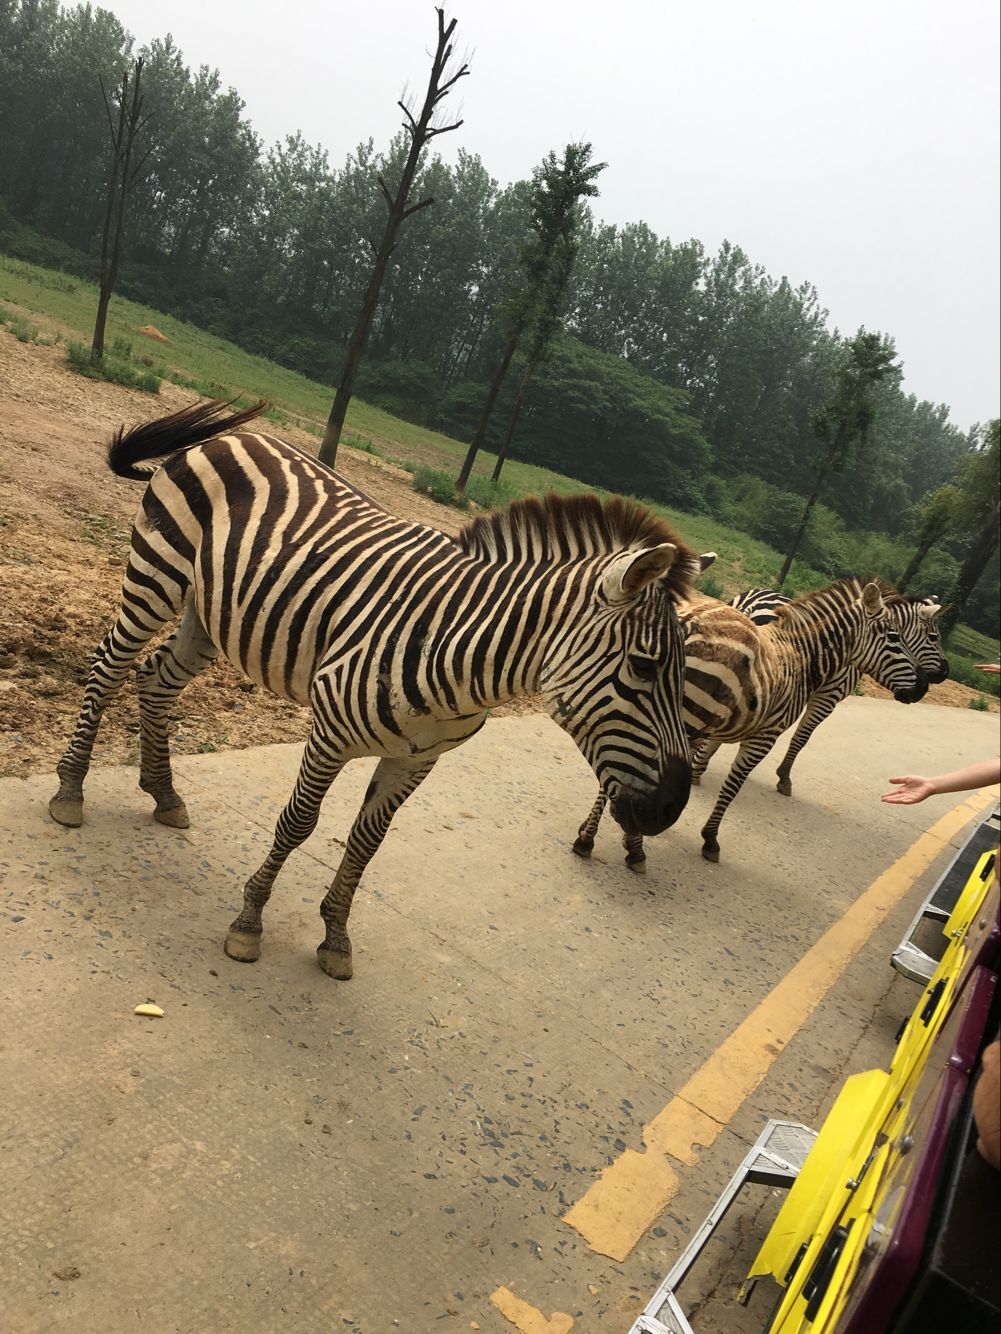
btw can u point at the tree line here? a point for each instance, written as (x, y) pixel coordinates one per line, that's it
(673, 373)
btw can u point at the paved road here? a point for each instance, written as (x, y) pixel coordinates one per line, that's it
(283, 1152)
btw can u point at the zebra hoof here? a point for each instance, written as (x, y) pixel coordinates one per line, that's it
(244, 946)
(583, 846)
(176, 816)
(711, 852)
(67, 811)
(335, 964)
(784, 786)
(637, 865)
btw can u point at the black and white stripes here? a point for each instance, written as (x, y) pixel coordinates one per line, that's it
(397, 636)
(747, 682)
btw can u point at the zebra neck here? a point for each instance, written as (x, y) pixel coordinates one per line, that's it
(494, 648)
(819, 638)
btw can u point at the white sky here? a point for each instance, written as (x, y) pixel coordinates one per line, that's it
(853, 143)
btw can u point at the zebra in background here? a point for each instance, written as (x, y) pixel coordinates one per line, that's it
(916, 619)
(748, 683)
(398, 637)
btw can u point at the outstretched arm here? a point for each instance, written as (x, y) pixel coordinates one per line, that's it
(913, 788)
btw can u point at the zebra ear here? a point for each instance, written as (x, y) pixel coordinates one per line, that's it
(930, 610)
(630, 574)
(872, 600)
(705, 560)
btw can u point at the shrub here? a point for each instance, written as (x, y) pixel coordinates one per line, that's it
(439, 486)
(488, 494)
(80, 359)
(980, 704)
(21, 329)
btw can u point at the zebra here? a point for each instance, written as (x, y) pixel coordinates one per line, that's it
(917, 621)
(398, 637)
(748, 683)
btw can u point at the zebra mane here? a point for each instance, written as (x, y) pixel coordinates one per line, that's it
(839, 594)
(561, 528)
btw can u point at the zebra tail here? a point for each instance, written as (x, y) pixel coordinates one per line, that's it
(167, 435)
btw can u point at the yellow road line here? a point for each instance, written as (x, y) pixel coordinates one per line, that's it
(636, 1188)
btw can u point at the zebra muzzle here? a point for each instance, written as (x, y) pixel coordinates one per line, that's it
(651, 812)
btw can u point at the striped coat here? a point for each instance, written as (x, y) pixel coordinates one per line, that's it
(917, 623)
(747, 683)
(399, 638)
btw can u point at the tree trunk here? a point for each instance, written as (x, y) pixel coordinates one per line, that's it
(982, 549)
(123, 140)
(791, 554)
(512, 423)
(488, 407)
(356, 347)
(421, 132)
(915, 563)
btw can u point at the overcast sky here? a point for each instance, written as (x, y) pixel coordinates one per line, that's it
(853, 143)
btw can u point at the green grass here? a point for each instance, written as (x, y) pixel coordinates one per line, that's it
(215, 368)
(116, 369)
(964, 670)
(972, 644)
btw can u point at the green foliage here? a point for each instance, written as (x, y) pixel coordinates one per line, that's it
(590, 415)
(964, 670)
(80, 359)
(439, 486)
(22, 330)
(711, 586)
(408, 389)
(980, 704)
(488, 494)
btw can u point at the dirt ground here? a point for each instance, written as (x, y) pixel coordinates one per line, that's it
(64, 534)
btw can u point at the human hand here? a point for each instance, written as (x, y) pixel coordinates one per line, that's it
(908, 790)
(991, 667)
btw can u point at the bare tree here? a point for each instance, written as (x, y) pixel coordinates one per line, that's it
(125, 127)
(421, 131)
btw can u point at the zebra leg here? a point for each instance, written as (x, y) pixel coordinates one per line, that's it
(393, 782)
(751, 753)
(819, 706)
(635, 856)
(113, 659)
(701, 757)
(317, 770)
(162, 677)
(584, 842)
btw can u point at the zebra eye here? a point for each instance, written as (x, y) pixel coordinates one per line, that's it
(644, 668)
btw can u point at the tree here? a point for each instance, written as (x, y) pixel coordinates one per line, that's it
(557, 189)
(124, 131)
(938, 517)
(842, 423)
(547, 325)
(421, 132)
(979, 511)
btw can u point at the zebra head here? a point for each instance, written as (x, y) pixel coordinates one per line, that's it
(615, 683)
(920, 631)
(882, 652)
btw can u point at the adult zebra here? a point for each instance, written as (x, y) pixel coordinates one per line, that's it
(748, 683)
(399, 638)
(916, 620)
